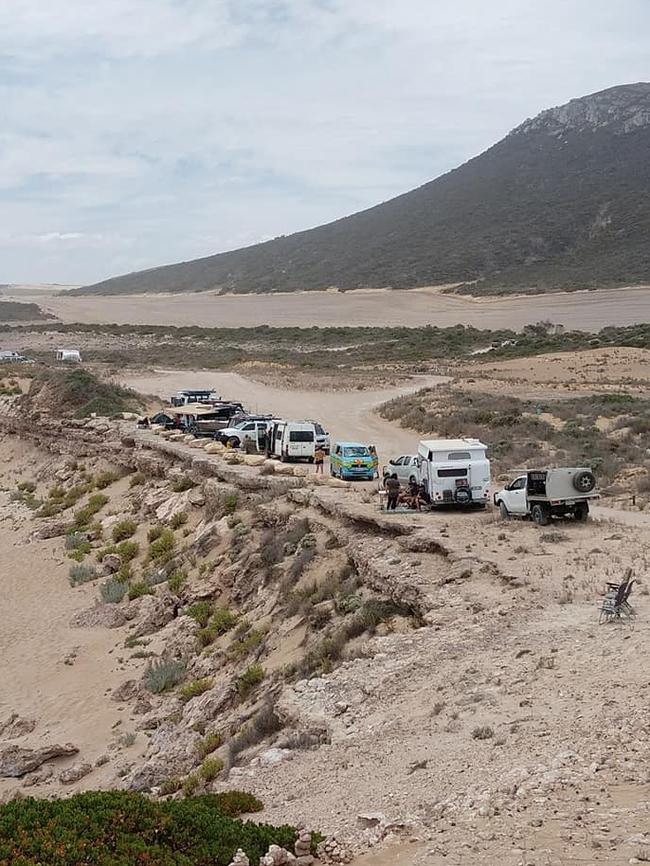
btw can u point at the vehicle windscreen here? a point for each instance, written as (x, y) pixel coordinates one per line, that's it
(356, 451)
(301, 436)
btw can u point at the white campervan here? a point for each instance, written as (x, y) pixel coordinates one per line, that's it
(291, 440)
(68, 356)
(455, 471)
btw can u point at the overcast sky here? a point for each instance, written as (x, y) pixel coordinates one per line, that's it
(139, 132)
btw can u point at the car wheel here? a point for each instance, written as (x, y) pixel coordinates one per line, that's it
(584, 482)
(234, 442)
(503, 511)
(412, 479)
(582, 511)
(540, 515)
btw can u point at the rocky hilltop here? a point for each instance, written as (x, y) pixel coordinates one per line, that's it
(560, 202)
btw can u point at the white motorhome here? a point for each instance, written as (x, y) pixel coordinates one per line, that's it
(291, 440)
(455, 471)
(68, 356)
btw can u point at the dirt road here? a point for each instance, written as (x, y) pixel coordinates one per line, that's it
(579, 310)
(348, 415)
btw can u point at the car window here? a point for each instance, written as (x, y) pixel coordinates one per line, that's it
(459, 455)
(518, 484)
(398, 462)
(358, 451)
(248, 427)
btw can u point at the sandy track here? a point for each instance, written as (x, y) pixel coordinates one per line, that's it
(348, 415)
(581, 310)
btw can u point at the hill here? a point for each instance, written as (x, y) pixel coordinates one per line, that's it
(563, 201)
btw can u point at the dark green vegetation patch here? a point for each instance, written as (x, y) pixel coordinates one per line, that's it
(122, 829)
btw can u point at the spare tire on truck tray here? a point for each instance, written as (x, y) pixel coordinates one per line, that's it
(463, 495)
(584, 481)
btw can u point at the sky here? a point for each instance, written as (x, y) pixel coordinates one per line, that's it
(135, 133)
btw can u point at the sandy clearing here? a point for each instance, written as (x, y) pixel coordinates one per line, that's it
(581, 310)
(349, 415)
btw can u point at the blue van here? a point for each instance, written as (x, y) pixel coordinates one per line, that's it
(352, 460)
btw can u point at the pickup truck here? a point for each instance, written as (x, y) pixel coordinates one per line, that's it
(544, 493)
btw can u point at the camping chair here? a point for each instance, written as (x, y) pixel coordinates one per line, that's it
(616, 605)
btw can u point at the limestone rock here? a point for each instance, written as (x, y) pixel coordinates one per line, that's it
(16, 761)
(126, 692)
(16, 726)
(152, 613)
(74, 774)
(102, 615)
(56, 529)
(111, 563)
(240, 859)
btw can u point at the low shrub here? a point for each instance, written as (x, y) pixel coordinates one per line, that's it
(170, 786)
(191, 784)
(127, 550)
(154, 532)
(77, 541)
(484, 732)
(195, 688)
(221, 621)
(138, 589)
(26, 486)
(105, 479)
(84, 516)
(210, 769)
(137, 479)
(163, 547)
(81, 574)
(251, 678)
(201, 611)
(246, 643)
(179, 519)
(230, 503)
(235, 803)
(124, 529)
(163, 675)
(112, 591)
(176, 581)
(263, 725)
(208, 744)
(182, 484)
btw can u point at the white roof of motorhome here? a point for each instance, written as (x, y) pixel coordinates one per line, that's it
(451, 444)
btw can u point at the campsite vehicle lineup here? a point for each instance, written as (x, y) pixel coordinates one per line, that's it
(446, 472)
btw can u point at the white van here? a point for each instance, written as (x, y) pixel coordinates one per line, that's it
(68, 356)
(455, 471)
(291, 440)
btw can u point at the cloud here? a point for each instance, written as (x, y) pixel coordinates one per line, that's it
(137, 132)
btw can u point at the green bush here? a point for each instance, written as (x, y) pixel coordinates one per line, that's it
(124, 529)
(235, 803)
(162, 548)
(170, 786)
(84, 516)
(182, 484)
(127, 550)
(137, 479)
(210, 769)
(200, 611)
(195, 688)
(163, 675)
(138, 589)
(251, 678)
(221, 621)
(154, 532)
(176, 581)
(230, 503)
(208, 745)
(179, 519)
(26, 486)
(118, 828)
(81, 574)
(105, 479)
(112, 591)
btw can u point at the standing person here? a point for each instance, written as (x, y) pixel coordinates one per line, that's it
(392, 485)
(319, 459)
